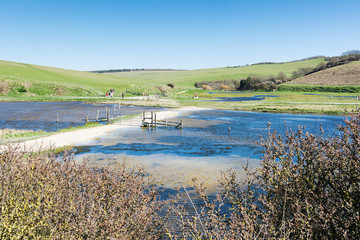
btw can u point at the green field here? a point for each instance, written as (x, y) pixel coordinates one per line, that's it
(27, 74)
(19, 79)
(187, 79)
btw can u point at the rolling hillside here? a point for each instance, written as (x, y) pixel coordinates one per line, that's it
(187, 79)
(26, 76)
(348, 74)
(20, 78)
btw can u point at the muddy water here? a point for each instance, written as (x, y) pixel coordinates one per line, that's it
(52, 116)
(203, 148)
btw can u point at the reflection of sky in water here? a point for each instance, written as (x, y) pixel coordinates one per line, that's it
(43, 115)
(200, 150)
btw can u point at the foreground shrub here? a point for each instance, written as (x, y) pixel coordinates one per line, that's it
(44, 197)
(306, 187)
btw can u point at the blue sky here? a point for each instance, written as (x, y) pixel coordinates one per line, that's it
(186, 34)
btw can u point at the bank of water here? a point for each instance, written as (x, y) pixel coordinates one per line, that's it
(211, 142)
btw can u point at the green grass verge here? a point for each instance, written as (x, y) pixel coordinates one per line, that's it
(319, 88)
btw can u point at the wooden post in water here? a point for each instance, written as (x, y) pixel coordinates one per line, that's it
(86, 120)
(97, 116)
(152, 119)
(57, 118)
(155, 120)
(182, 124)
(108, 117)
(143, 116)
(165, 123)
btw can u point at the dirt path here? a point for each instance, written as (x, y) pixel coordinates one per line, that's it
(83, 136)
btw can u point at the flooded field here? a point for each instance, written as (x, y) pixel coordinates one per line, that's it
(52, 116)
(211, 141)
(203, 148)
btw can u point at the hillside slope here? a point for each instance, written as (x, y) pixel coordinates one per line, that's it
(25, 75)
(33, 80)
(348, 74)
(187, 79)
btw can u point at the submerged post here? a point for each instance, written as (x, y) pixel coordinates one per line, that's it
(108, 117)
(182, 124)
(155, 120)
(152, 119)
(57, 117)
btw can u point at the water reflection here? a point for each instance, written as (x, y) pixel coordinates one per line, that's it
(203, 148)
(52, 116)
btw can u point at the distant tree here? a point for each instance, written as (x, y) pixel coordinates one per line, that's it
(172, 85)
(351, 52)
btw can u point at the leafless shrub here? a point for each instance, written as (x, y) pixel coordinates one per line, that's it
(225, 87)
(50, 198)
(162, 90)
(27, 85)
(4, 87)
(206, 87)
(306, 188)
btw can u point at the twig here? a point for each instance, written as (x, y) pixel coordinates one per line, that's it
(192, 203)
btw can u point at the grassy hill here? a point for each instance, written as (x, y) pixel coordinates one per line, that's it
(187, 79)
(19, 79)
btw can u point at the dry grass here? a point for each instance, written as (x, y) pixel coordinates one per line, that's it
(348, 74)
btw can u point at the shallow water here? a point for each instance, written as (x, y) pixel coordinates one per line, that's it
(52, 116)
(241, 99)
(203, 148)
